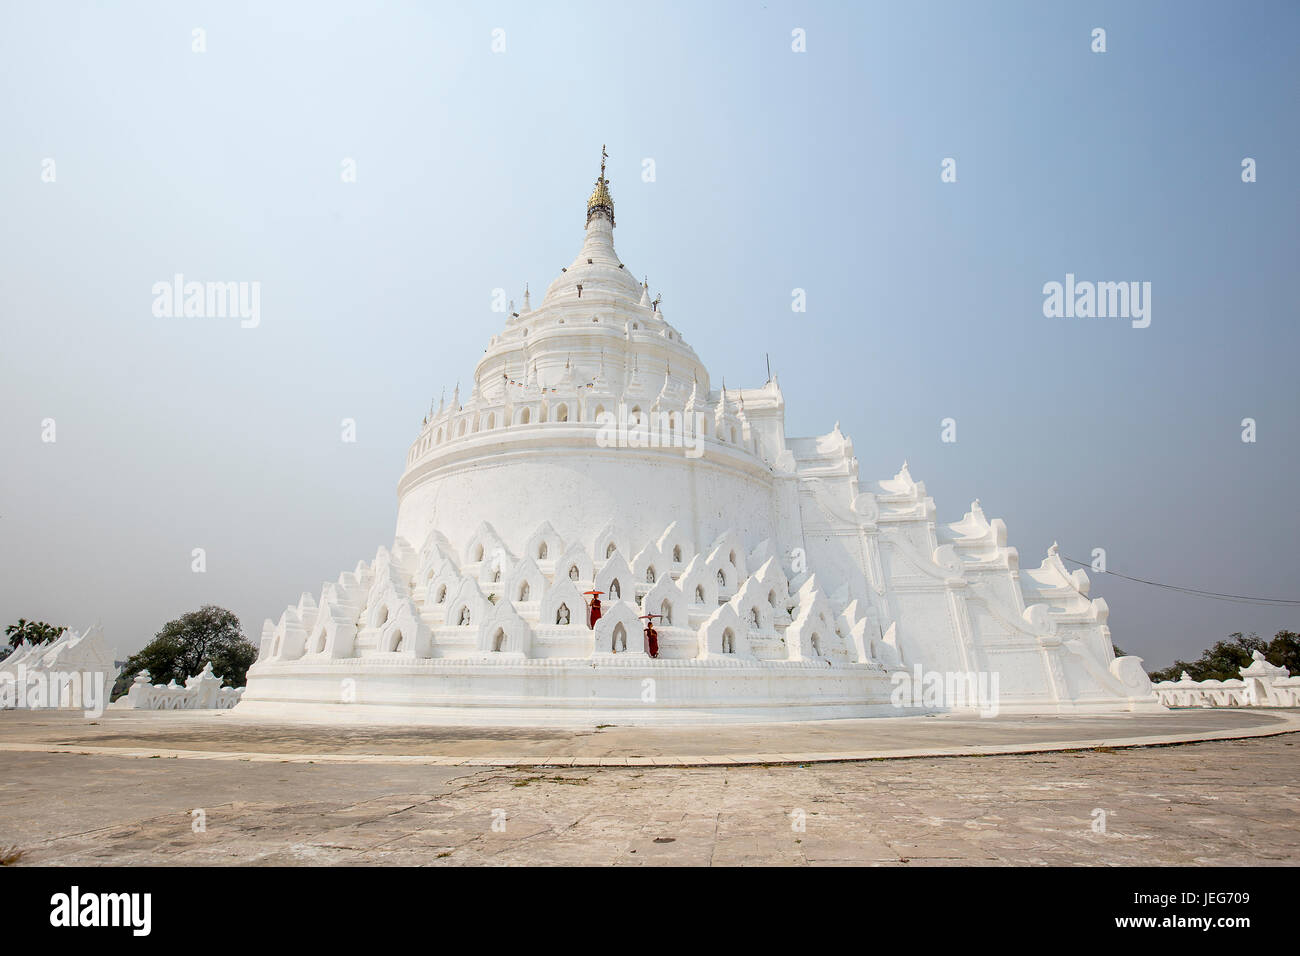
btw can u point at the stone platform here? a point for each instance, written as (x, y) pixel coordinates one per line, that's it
(226, 735)
(266, 800)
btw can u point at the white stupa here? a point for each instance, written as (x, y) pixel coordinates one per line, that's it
(593, 453)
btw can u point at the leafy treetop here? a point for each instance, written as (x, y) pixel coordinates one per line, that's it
(184, 645)
(1225, 659)
(33, 632)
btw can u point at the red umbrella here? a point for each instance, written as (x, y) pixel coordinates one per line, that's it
(593, 609)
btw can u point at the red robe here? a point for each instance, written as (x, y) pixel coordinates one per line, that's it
(651, 641)
(593, 612)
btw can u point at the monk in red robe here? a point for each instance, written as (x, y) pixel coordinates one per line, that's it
(593, 609)
(651, 635)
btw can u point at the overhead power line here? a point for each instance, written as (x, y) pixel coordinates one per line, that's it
(1198, 592)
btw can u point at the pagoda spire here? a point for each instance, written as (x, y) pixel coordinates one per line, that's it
(600, 203)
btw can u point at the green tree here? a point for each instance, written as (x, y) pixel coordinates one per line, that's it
(34, 632)
(1225, 659)
(1284, 651)
(184, 645)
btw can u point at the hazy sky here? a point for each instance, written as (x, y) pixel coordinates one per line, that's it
(774, 170)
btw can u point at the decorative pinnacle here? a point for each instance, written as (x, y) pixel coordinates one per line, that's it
(600, 202)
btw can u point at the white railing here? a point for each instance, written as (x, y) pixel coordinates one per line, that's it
(201, 692)
(1261, 685)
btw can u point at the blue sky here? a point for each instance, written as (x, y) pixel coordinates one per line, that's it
(774, 170)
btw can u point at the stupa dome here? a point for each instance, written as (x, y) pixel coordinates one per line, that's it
(593, 459)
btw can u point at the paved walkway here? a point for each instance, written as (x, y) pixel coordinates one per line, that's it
(229, 736)
(1227, 802)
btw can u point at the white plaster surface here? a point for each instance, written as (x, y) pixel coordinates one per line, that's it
(1261, 685)
(794, 588)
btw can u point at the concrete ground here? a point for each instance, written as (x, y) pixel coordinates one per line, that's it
(227, 735)
(1217, 803)
(205, 789)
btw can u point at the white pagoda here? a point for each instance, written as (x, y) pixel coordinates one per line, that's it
(594, 454)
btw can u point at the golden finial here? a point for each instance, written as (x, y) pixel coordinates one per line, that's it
(600, 202)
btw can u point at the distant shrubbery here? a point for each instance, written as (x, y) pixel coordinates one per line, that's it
(1225, 659)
